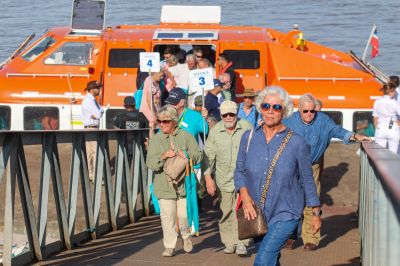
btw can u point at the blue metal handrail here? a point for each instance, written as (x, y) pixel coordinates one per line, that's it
(379, 206)
(131, 178)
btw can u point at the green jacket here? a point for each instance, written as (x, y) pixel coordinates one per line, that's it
(221, 152)
(159, 144)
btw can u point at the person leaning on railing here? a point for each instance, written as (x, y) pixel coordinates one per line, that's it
(317, 129)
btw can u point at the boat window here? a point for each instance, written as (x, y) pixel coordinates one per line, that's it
(363, 123)
(124, 58)
(41, 118)
(208, 51)
(71, 53)
(5, 117)
(170, 35)
(38, 49)
(244, 59)
(111, 114)
(335, 116)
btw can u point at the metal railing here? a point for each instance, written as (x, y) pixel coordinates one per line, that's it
(131, 181)
(379, 206)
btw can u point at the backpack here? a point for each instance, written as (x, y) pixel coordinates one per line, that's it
(138, 97)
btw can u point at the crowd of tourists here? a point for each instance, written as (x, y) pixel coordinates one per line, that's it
(258, 156)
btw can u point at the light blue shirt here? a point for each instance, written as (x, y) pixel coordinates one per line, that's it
(252, 117)
(318, 133)
(192, 122)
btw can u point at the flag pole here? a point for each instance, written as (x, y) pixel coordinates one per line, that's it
(369, 42)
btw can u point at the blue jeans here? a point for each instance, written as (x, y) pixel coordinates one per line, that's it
(269, 251)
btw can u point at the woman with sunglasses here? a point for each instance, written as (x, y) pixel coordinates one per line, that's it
(290, 186)
(170, 142)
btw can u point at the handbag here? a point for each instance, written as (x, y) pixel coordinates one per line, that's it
(174, 169)
(258, 227)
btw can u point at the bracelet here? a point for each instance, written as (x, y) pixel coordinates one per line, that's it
(354, 137)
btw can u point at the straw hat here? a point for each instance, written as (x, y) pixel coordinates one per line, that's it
(249, 92)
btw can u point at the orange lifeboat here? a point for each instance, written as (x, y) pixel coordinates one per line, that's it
(48, 77)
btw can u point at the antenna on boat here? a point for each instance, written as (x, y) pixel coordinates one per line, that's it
(368, 42)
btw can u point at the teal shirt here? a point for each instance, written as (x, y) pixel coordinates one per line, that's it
(191, 121)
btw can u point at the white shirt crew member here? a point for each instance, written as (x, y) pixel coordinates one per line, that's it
(90, 108)
(386, 109)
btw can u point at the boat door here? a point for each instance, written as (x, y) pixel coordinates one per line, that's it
(120, 71)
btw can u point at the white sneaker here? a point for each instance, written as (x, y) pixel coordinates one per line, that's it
(187, 245)
(229, 249)
(168, 252)
(241, 249)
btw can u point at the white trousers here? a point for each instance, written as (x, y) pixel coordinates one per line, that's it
(170, 209)
(388, 138)
(91, 148)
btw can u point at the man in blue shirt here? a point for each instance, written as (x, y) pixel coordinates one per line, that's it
(247, 110)
(317, 129)
(211, 100)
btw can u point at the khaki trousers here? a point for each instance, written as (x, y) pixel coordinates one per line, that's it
(170, 209)
(307, 227)
(91, 147)
(228, 225)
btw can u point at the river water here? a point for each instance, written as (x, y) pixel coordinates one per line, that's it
(341, 24)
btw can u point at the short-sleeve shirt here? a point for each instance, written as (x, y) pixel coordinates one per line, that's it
(131, 120)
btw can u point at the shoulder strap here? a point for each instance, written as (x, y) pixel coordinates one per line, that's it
(248, 140)
(272, 166)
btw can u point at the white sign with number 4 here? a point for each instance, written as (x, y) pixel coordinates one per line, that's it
(201, 79)
(149, 62)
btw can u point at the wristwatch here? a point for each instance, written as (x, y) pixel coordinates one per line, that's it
(317, 213)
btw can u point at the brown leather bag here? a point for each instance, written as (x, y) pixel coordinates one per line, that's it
(258, 226)
(174, 168)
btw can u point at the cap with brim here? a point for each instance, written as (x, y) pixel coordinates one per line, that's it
(228, 107)
(175, 96)
(249, 92)
(218, 83)
(93, 85)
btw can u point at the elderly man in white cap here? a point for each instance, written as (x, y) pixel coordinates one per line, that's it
(221, 151)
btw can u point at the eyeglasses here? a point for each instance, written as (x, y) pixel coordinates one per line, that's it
(275, 107)
(228, 114)
(199, 56)
(248, 97)
(306, 111)
(164, 121)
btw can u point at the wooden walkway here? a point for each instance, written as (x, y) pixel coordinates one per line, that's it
(141, 243)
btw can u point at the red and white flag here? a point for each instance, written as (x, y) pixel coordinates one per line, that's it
(374, 44)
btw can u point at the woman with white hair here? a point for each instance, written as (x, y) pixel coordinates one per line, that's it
(171, 142)
(282, 191)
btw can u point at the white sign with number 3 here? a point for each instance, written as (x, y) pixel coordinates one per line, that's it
(149, 62)
(201, 79)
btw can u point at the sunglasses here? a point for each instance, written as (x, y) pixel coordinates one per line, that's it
(164, 121)
(275, 107)
(306, 111)
(248, 97)
(199, 56)
(228, 114)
